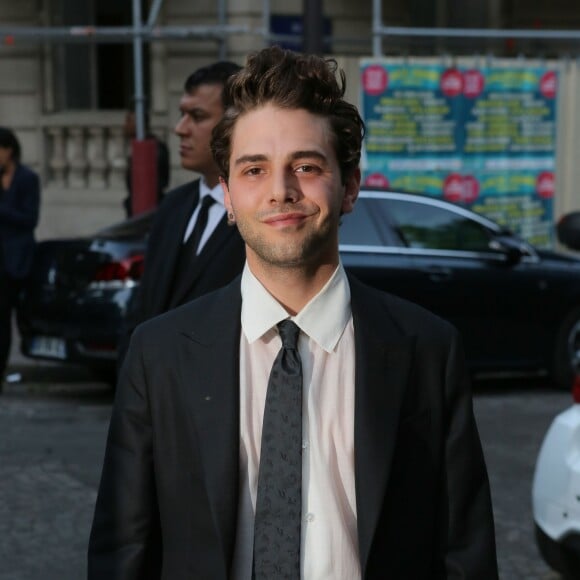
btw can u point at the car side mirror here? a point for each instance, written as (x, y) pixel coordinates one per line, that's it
(510, 247)
(568, 230)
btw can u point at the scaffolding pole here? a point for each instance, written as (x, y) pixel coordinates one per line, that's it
(313, 27)
(219, 33)
(138, 72)
(222, 19)
(266, 14)
(118, 34)
(154, 13)
(487, 33)
(377, 27)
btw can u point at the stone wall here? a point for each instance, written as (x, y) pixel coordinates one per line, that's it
(83, 186)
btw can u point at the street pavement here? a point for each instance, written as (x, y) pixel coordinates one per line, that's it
(52, 435)
(513, 419)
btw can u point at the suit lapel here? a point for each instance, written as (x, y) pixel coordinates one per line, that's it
(172, 241)
(210, 376)
(383, 358)
(218, 238)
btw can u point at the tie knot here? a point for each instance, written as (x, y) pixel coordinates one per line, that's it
(289, 334)
(207, 201)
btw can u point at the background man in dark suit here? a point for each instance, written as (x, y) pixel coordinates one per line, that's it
(19, 208)
(176, 272)
(357, 456)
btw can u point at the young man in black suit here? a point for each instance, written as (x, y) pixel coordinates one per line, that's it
(175, 272)
(296, 423)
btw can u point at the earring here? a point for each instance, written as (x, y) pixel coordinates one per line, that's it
(231, 218)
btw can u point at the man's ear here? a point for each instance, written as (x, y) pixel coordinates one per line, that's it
(227, 199)
(351, 189)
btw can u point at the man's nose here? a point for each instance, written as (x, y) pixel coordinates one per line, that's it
(285, 187)
(181, 126)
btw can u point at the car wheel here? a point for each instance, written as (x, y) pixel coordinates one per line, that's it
(565, 559)
(567, 352)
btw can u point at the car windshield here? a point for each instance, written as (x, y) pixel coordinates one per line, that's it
(428, 226)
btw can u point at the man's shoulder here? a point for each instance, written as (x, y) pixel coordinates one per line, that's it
(174, 203)
(180, 194)
(199, 316)
(24, 173)
(409, 317)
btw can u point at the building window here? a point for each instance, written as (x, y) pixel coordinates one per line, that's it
(93, 75)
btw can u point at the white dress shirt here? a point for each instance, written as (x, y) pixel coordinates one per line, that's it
(329, 545)
(215, 213)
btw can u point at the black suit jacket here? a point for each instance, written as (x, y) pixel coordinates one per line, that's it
(19, 208)
(168, 498)
(219, 262)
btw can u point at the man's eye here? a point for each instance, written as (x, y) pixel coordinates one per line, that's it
(305, 169)
(195, 116)
(253, 171)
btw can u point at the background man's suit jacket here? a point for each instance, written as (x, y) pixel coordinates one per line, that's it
(168, 499)
(19, 208)
(219, 262)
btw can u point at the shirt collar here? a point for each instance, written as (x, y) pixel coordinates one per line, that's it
(323, 319)
(216, 192)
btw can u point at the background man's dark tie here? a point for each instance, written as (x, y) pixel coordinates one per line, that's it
(279, 498)
(192, 242)
(188, 252)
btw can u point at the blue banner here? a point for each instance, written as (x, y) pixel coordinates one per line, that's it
(483, 137)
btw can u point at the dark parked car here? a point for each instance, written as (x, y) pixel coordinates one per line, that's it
(78, 293)
(517, 307)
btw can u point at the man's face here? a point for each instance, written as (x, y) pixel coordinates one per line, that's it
(285, 188)
(200, 111)
(5, 156)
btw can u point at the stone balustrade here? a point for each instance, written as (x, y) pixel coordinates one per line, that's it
(85, 149)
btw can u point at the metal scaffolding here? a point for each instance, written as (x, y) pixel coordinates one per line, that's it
(147, 31)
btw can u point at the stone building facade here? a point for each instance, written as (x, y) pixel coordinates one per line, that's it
(66, 100)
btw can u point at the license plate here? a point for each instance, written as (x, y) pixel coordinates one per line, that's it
(48, 346)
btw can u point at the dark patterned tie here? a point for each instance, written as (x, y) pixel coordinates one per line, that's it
(279, 499)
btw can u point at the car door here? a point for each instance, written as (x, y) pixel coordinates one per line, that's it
(469, 278)
(447, 260)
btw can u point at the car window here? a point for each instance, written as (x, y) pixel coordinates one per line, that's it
(368, 225)
(427, 226)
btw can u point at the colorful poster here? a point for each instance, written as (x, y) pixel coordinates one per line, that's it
(483, 137)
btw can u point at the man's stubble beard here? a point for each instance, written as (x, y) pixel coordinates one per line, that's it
(305, 253)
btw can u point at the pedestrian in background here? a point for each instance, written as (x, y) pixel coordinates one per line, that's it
(191, 250)
(295, 423)
(162, 152)
(19, 208)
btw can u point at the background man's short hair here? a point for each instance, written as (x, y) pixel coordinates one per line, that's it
(216, 73)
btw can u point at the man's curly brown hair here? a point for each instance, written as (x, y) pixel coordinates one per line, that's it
(290, 80)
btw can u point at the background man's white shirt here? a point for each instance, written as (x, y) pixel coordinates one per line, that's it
(215, 214)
